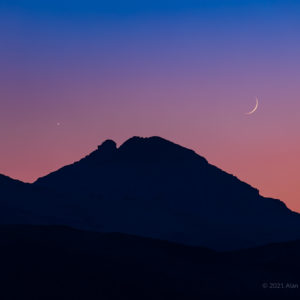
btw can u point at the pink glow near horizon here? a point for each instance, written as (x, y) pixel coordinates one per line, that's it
(187, 78)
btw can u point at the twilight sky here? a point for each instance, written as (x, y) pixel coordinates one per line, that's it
(184, 70)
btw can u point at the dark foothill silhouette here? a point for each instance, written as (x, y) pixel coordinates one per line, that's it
(46, 262)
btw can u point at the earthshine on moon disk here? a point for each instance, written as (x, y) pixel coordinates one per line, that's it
(254, 109)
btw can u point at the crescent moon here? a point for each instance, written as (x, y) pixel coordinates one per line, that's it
(254, 109)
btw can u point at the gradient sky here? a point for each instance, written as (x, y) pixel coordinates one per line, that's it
(184, 70)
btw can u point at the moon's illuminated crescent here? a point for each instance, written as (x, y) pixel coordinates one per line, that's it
(254, 109)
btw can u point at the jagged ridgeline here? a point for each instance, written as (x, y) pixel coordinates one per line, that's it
(151, 187)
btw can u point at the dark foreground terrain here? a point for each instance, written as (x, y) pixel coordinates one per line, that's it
(41, 262)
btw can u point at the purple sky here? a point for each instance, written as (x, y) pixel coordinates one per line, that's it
(184, 70)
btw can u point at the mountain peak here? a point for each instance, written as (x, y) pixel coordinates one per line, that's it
(154, 187)
(156, 148)
(106, 151)
(108, 145)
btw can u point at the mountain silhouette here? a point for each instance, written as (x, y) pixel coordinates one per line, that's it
(152, 187)
(23, 203)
